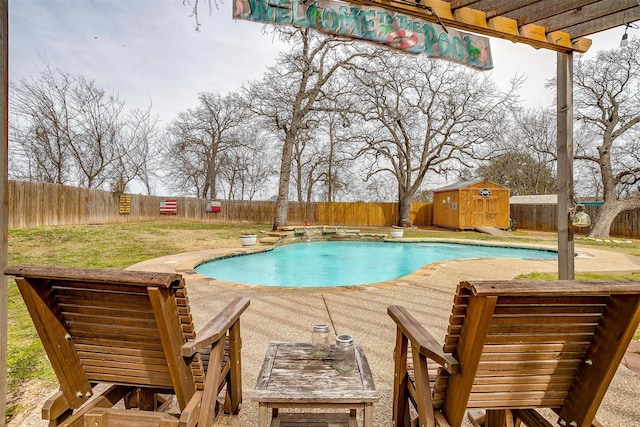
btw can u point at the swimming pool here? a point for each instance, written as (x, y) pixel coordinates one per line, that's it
(342, 263)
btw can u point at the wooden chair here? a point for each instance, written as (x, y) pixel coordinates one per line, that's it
(134, 331)
(513, 346)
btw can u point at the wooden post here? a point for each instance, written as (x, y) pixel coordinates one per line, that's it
(565, 164)
(4, 197)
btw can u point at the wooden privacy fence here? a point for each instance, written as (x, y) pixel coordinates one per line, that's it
(543, 217)
(535, 217)
(33, 204)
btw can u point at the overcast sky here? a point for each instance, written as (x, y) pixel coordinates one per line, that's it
(148, 50)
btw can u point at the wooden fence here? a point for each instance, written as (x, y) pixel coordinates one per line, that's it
(535, 217)
(544, 218)
(33, 204)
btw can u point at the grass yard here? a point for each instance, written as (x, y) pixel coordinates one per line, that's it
(121, 245)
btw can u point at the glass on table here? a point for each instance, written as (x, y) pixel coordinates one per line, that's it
(345, 354)
(320, 341)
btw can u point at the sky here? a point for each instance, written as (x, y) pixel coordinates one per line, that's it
(146, 50)
(149, 52)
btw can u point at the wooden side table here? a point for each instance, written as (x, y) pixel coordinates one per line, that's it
(292, 378)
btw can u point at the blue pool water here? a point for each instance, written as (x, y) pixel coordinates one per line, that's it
(336, 263)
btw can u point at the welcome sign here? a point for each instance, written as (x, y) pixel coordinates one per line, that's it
(373, 24)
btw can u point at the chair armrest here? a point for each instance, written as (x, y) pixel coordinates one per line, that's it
(421, 339)
(217, 327)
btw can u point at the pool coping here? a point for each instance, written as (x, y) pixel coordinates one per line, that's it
(186, 263)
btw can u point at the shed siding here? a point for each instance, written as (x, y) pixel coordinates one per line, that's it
(446, 209)
(466, 208)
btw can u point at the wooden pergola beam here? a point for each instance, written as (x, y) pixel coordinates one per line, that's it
(475, 20)
(577, 17)
(536, 11)
(605, 23)
(592, 18)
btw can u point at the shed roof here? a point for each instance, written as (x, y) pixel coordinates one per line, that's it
(463, 184)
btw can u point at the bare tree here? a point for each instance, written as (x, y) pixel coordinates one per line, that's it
(95, 132)
(194, 5)
(183, 171)
(524, 156)
(74, 132)
(306, 159)
(608, 109)
(522, 173)
(534, 131)
(327, 163)
(333, 174)
(139, 152)
(419, 116)
(197, 140)
(247, 171)
(323, 157)
(39, 126)
(296, 87)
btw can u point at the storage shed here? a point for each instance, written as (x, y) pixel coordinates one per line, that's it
(469, 205)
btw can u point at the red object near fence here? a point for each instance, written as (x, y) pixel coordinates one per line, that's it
(168, 207)
(213, 206)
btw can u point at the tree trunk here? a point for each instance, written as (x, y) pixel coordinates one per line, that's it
(404, 211)
(608, 212)
(282, 201)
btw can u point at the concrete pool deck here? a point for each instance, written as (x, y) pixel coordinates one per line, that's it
(287, 314)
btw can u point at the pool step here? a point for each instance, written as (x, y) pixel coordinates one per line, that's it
(277, 233)
(269, 241)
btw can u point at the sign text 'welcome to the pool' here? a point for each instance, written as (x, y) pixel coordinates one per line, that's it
(373, 24)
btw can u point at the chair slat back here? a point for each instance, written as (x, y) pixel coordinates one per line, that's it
(528, 350)
(120, 341)
(103, 326)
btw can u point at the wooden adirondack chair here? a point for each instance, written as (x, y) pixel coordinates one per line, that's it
(134, 331)
(512, 347)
